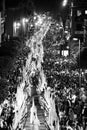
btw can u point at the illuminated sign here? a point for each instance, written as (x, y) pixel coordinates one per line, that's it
(65, 53)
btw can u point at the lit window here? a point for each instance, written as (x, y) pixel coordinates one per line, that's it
(85, 11)
(65, 53)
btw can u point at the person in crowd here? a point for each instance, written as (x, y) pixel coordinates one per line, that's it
(33, 112)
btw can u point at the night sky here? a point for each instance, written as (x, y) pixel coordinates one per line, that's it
(11, 3)
(50, 5)
(54, 6)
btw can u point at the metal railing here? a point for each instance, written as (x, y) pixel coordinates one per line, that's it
(24, 118)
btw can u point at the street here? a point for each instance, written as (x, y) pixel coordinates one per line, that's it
(46, 88)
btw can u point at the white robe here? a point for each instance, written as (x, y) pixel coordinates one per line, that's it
(36, 124)
(33, 112)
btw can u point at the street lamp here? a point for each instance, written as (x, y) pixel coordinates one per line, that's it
(24, 23)
(16, 26)
(65, 3)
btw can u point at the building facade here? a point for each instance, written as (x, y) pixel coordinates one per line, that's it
(79, 19)
(2, 20)
(2, 26)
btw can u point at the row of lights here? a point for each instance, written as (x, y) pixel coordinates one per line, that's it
(38, 20)
(18, 24)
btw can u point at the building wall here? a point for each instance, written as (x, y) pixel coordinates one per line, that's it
(9, 22)
(13, 14)
(78, 17)
(2, 26)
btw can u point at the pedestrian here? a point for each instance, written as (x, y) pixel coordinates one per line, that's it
(33, 112)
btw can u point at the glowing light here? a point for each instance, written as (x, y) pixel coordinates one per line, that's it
(14, 26)
(65, 2)
(79, 12)
(35, 17)
(23, 21)
(85, 11)
(26, 20)
(60, 27)
(75, 39)
(31, 25)
(39, 21)
(65, 53)
(67, 47)
(18, 25)
(66, 31)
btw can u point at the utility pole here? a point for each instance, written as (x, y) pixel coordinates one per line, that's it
(79, 64)
(71, 14)
(84, 31)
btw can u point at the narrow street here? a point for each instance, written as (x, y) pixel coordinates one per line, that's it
(33, 73)
(35, 66)
(46, 88)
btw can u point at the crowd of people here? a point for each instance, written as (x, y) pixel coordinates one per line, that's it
(11, 79)
(68, 83)
(6, 115)
(20, 75)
